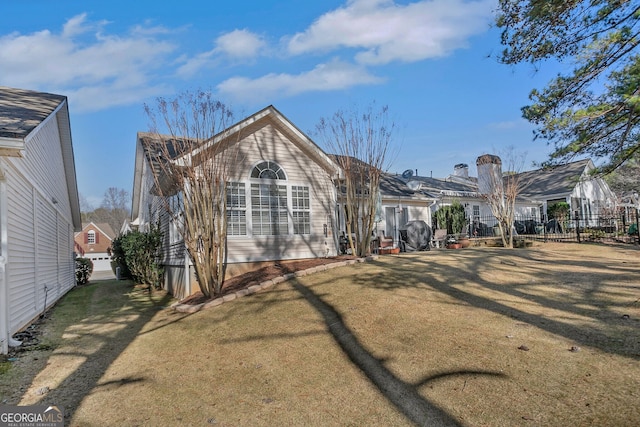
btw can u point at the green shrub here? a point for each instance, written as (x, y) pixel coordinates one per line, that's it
(137, 252)
(451, 218)
(118, 258)
(84, 268)
(559, 211)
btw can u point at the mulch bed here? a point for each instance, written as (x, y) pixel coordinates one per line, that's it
(263, 274)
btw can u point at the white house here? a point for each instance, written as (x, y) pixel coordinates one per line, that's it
(282, 172)
(572, 183)
(400, 204)
(282, 198)
(39, 208)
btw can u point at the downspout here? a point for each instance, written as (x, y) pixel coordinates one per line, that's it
(4, 294)
(187, 272)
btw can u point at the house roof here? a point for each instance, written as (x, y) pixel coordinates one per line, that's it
(394, 186)
(233, 133)
(434, 187)
(21, 113)
(103, 227)
(553, 181)
(539, 184)
(391, 185)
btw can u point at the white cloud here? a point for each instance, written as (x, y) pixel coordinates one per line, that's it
(383, 31)
(193, 65)
(115, 70)
(100, 97)
(238, 46)
(335, 75)
(508, 125)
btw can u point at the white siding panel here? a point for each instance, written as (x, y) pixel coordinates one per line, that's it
(21, 252)
(66, 264)
(43, 164)
(40, 239)
(46, 246)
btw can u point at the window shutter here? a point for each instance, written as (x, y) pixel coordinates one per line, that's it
(97, 238)
(86, 238)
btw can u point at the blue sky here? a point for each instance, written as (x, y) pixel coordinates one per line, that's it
(432, 62)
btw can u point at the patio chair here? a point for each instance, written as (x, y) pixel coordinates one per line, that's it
(439, 237)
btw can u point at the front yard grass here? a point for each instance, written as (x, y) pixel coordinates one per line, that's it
(548, 335)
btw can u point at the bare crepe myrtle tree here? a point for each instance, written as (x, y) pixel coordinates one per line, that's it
(361, 141)
(500, 190)
(191, 164)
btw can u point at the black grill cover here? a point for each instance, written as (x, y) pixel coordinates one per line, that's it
(415, 236)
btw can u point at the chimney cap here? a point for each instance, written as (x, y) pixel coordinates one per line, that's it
(486, 159)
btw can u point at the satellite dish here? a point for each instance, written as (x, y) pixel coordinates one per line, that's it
(414, 185)
(407, 174)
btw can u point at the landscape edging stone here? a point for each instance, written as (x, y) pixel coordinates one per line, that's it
(188, 308)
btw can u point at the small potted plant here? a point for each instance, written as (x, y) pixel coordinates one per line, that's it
(452, 242)
(464, 241)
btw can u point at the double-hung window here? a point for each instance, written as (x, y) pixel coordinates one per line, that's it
(236, 209)
(300, 209)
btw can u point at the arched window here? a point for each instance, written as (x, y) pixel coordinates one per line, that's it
(268, 170)
(272, 207)
(269, 200)
(91, 237)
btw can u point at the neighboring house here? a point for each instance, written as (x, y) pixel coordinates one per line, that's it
(571, 183)
(95, 242)
(282, 199)
(39, 207)
(397, 205)
(459, 186)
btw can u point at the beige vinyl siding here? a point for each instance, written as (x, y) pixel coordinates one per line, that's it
(147, 201)
(264, 139)
(172, 254)
(269, 143)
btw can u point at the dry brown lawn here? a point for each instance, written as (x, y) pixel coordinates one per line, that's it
(543, 336)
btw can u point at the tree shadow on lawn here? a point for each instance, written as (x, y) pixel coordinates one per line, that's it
(99, 349)
(402, 395)
(424, 270)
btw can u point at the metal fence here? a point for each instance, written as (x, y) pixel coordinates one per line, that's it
(621, 227)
